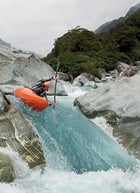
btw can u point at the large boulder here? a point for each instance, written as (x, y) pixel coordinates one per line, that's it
(19, 135)
(22, 69)
(126, 70)
(118, 101)
(65, 77)
(84, 79)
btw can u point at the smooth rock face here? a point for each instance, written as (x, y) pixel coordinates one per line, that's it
(18, 69)
(21, 69)
(17, 134)
(120, 96)
(129, 135)
(118, 101)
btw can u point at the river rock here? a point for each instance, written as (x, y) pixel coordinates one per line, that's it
(65, 77)
(118, 101)
(83, 79)
(7, 173)
(19, 135)
(22, 69)
(128, 134)
(80, 80)
(126, 70)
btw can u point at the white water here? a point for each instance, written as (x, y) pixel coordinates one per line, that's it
(57, 180)
(101, 122)
(53, 181)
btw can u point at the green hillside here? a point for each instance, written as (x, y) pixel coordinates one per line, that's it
(81, 50)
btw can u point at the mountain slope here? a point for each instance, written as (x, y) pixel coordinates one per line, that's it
(81, 50)
(4, 43)
(111, 24)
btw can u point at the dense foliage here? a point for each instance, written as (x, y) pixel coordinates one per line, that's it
(81, 50)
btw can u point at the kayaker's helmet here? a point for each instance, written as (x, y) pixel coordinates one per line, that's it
(46, 85)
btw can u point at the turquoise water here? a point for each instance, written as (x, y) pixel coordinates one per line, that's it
(80, 156)
(75, 142)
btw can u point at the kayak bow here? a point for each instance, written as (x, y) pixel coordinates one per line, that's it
(31, 99)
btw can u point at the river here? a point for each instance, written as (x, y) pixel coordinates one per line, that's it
(80, 156)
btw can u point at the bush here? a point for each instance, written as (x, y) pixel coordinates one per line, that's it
(81, 50)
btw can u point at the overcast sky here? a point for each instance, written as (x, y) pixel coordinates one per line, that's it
(36, 24)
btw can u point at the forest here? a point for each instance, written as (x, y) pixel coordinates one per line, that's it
(80, 50)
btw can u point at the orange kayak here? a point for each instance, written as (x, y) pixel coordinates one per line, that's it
(31, 99)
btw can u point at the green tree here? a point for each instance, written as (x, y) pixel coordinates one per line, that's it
(81, 50)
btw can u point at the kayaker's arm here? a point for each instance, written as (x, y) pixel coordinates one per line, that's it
(42, 86)
(53, 104)
(45, 79)
(44, 94)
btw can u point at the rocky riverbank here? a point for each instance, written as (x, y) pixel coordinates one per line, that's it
(17, 134)
(115, 96)
(18, 69)
(118, 101)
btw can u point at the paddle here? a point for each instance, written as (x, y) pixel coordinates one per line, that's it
(56, 81)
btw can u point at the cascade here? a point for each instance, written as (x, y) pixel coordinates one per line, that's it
(80, 156)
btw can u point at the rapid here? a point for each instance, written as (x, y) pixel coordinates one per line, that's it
(81, 157)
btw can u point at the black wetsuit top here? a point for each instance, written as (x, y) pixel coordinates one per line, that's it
(37, 88)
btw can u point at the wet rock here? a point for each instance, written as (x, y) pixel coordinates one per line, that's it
(18, 134)
(128, 133)
(4, 102)
(117, 101)
(7, 173)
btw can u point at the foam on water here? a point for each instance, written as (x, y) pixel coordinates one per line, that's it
(65, 135)
(53, 181)
(101, 122)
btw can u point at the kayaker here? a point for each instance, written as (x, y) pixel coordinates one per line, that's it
(42, 86)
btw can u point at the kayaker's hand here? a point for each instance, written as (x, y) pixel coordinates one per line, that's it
(55, 78)
(53, 104)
